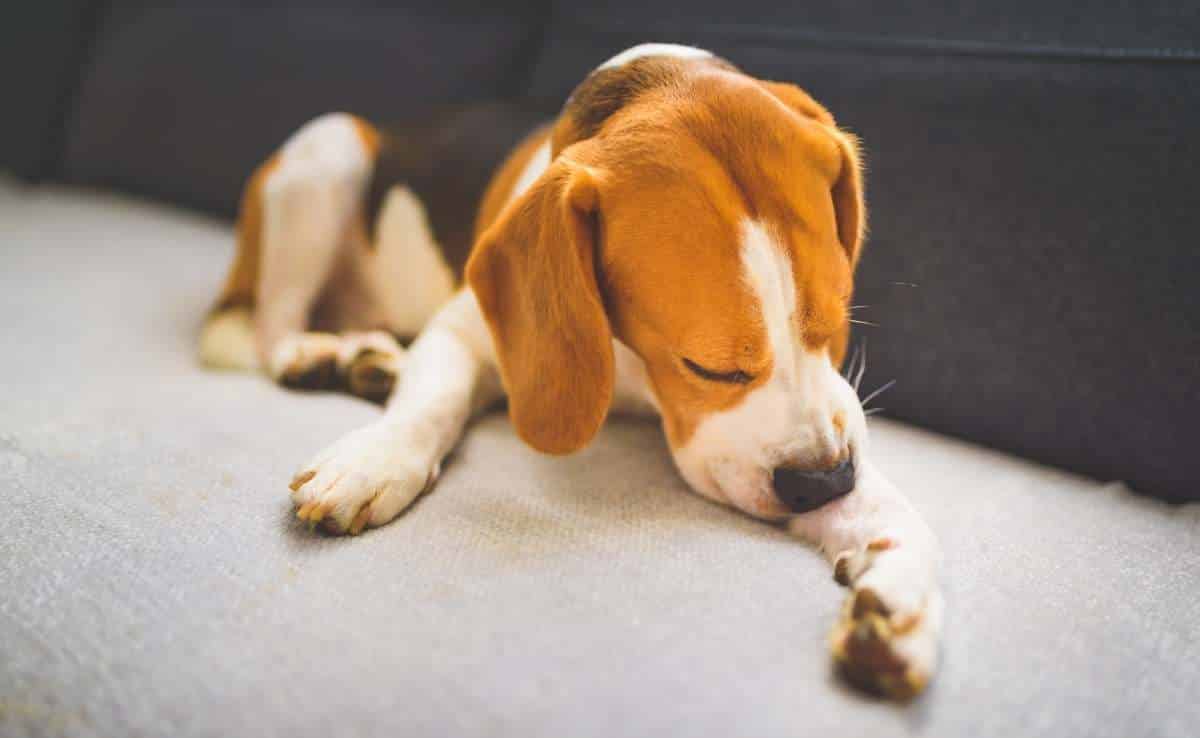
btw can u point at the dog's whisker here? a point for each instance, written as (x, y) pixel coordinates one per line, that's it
(862, 367)
(883, 388)
(906, 284)
(873, 411)
(864, 322)
(848, 372)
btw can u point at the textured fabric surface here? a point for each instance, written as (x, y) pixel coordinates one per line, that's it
(43, 46)
(1122, 29)
(153, 580)
(181, 101)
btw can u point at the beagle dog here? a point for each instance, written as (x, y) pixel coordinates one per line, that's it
(680, 241)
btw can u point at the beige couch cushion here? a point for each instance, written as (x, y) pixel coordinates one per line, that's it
(154, 582)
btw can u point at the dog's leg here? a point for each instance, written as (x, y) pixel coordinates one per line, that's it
(372, 474)
(886, 639)
(308, 203)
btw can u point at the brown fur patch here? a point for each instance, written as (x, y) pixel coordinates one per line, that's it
(371, 138)
(534, 276)
(690, 163)
(681, 153)
(606, 91)
(447, 160)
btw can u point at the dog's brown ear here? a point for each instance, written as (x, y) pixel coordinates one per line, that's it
(847, 190)
(800, 101)
(848, 197)
(534, 274)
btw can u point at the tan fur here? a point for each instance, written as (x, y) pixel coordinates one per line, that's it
(533, 274)
(372, 139)
(227, 338)
(500, 188)
(692, 151)
(671, 155)
(242, 280)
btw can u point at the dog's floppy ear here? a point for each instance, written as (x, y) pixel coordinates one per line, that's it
(847, 190)
(533, 272)
(848, 197)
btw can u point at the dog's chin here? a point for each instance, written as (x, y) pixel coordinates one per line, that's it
(752, 496)
(762, 506)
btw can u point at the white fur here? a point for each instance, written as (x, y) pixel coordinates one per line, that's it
(789, 418)
(301, 350)
(227, 341)
(408, 274)
(642, 50)
(386, 465)
(903, 577)
(632, 394)
(308, 203)
(537, 164)
(311, 250)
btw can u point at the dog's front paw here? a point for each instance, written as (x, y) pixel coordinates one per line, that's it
(364, 480)
(886, 639)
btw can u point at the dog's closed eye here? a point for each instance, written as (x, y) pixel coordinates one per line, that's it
(735, 377)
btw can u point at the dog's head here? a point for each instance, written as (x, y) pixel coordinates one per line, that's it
(710, 222)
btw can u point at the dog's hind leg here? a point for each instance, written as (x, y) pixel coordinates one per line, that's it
(295, 219)
(309, 202)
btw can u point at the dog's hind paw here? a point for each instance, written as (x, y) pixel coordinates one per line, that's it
(370, 364)
(306, 361)
(364, 364)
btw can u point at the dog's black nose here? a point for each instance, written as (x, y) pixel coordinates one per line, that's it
(807, 489)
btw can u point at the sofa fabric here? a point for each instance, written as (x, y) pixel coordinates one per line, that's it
(182, 100)
(154, 582)
(44, 47)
